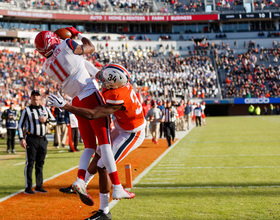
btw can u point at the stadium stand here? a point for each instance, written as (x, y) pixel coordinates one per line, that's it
(253, 74)
(198, 49)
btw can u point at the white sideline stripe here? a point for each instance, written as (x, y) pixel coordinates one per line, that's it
(244, 167)
(19, 163)
(141, 175)
(56, 175)
(204, 187)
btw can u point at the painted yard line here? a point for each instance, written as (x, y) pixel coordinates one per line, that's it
(204, 187)
(141, 175)
(240, 155)
(170, 165)
(245, 141)
(56, 175)
(157, 183)
(159, 178)
(169, 171)
(19, 163)
(244, 167)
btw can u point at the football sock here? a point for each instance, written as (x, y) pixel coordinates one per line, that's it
(85, 158)
(104, 202)
(88, 177)
(84, 161)
(109, 162)
(114, 177)
(81, 174)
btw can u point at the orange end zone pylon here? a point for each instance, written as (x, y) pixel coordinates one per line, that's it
(128, 175)
(70, 141)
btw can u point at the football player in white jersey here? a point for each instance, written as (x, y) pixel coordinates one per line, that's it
(129, 132)
(66, 65)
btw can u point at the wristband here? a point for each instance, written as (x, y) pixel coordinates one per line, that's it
(80, 36)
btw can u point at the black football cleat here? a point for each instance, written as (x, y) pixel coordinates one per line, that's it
(100, 215)
(40, 190)
(67, 190)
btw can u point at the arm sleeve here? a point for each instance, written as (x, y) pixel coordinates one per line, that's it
(21, 124)
(148, 115)
(113, 98)
(51, 119)
(4, 115)
(67, 120)
(92, 70)
(162, 114)
(71, 44)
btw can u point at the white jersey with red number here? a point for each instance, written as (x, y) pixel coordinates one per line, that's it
(132, 118)
(70, 70)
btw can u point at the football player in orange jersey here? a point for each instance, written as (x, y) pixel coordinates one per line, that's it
(129, 132)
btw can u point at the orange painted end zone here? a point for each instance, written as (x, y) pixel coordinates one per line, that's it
(55, 205)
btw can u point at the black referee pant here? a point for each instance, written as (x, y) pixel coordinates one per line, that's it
(36, 151)
(169, 130)
(11, 133)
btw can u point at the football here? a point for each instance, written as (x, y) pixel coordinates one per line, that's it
(63, 33)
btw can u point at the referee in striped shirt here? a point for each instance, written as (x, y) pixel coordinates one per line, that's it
(34, 118)
(169, 117)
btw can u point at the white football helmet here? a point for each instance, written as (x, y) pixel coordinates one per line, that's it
(114, 76)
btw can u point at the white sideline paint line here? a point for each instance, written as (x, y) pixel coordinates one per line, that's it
(19, 163)
(56, 175)
(244, 167)
(141, 175)
(204, 187)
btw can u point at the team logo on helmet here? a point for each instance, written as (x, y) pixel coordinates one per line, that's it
(46, 42)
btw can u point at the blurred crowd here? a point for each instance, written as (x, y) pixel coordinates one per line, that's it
(40, 4)
(83, 4)
(255, 73)
(131, 5)
(170, 77)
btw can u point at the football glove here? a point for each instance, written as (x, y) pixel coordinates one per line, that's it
(73, 30)
(56, 101)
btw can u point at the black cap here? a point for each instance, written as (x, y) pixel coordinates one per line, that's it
(35, 92)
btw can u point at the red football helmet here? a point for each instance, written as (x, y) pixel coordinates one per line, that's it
(46, 42)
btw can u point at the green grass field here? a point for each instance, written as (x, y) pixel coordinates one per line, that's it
(12, 166)
(228, 169)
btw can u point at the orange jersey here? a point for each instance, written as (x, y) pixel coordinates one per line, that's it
(180, 111)
(132, 118)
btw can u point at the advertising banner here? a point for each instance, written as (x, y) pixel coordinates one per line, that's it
(256, 100)
(131, 18)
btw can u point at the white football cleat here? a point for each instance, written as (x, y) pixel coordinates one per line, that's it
(80, 188)
(121, 193)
